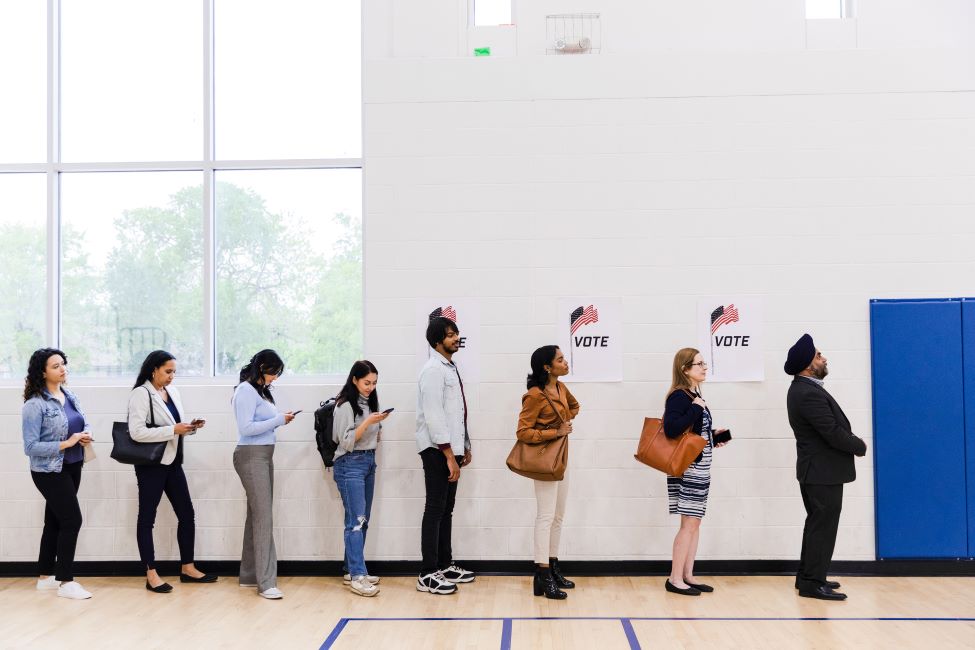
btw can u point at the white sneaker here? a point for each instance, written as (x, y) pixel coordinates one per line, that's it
(47, 584)
(374, 580)
(455, 574)
(73, 590)
(272, 594)
(435, 583)
(361, 585)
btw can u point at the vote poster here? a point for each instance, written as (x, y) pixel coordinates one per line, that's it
(590, 333)
(466, 313)
(731, 337)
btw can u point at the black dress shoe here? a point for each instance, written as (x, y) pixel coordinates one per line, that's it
(164, 588)
(822, 592)
(206, 577)
(703, 588)
(690, 591)
(832, 584)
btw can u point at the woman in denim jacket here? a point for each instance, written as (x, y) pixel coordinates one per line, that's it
(55, 436)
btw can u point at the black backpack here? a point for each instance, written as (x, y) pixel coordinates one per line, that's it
(323, 432)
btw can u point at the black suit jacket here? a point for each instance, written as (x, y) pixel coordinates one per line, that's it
(825, 445)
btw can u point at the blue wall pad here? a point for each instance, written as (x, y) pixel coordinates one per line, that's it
(919, 428)
(968, 353)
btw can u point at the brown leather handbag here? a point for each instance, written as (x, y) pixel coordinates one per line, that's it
(672, 456)
(542, 461)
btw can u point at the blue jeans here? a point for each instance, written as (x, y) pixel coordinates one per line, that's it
(355, 476)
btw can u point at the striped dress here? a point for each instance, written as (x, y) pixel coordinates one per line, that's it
(688, 494)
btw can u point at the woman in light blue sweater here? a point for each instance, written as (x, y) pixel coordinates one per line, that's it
(257, 421)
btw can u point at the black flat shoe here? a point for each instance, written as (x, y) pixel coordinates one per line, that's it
(822, 592)
(206, 577)
(703, 588)
(164, 588)
(690, 591)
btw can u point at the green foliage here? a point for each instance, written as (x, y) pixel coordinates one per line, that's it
(272, 289)
(22, 310)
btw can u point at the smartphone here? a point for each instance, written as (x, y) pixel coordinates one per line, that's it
(297, 412)
(388, 411)
(724, 436)
(196, 422)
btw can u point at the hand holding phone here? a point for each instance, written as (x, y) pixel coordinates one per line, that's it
(388, 411)
(722, 436)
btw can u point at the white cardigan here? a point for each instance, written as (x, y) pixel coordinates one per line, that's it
(139, 415)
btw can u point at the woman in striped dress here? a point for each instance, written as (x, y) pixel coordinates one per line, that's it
(688, 494)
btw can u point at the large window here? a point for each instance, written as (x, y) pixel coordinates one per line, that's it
(183, 175)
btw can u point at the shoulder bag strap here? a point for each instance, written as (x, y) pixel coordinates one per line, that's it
(152, 413)
(550, 403)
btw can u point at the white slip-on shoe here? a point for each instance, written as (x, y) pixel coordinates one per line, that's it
(73, 590)
(272, 594)
(372, 579)
(361, 586)
(47, 584)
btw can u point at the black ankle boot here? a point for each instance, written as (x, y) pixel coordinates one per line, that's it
(560, 580)
(545, 584)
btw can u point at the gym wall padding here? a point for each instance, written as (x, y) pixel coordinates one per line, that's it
(919, 428)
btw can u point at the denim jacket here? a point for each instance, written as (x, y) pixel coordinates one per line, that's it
(44, 426)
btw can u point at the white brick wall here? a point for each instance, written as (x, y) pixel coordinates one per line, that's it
(815, 179)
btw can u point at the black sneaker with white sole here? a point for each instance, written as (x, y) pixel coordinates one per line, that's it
(455, 574)
(435, 583)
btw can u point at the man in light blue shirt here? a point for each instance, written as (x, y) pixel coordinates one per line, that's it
(444, 445)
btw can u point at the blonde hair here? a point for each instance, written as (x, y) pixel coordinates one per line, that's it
(682, 361)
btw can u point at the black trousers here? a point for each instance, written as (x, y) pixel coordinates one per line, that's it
(62, 520)
(438, 513)
(153, 481)
(823, 505)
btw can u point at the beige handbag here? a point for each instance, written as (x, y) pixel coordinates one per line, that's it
(542, 461)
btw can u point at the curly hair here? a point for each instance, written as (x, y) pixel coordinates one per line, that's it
(34, 383)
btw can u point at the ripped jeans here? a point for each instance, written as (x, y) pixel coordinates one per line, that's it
(355, 476)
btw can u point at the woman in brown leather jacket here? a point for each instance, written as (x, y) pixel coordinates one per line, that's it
(547, 410)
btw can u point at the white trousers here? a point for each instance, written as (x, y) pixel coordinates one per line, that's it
(550, 499)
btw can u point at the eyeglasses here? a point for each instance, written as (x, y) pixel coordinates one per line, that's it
(704, 366)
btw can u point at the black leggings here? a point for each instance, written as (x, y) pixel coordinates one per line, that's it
(153, 480)
(62, 520)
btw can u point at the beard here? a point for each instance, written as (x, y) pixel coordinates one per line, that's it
(821, 372)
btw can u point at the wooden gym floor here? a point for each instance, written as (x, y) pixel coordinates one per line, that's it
(493, 612)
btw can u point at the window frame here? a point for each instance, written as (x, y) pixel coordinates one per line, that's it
(208, 166)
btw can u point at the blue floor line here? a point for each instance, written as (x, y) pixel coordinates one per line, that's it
(666, 618)
(630, 634)
(506, 622)
(336, 631)
(506, 634)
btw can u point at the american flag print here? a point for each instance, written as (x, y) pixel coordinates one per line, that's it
(582, 316)
(722, 316)
(445, 312)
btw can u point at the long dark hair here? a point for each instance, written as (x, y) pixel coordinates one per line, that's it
(265, 362)
(34, 383)
(543, 356)
(350, 393)
(155, 359)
